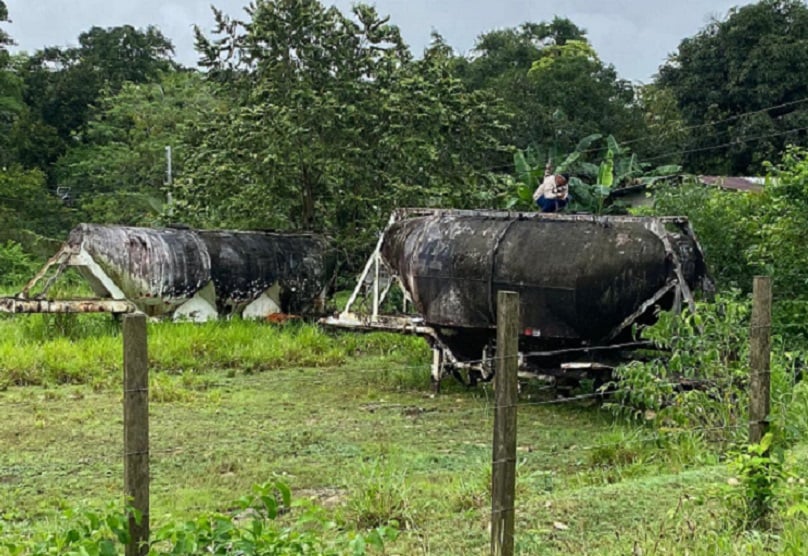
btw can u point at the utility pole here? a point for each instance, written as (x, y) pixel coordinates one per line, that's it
(169, 183)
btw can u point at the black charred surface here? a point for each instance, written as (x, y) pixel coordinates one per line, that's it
(147, 263)
(578, 279)
(245, 264)
(170, 265)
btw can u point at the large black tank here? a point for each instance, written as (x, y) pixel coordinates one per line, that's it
(579, 277)
(161, 269)
(150, 266)
(245, 264)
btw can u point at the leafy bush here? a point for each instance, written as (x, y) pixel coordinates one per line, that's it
(16, 266)
(744, 234)
(759, 468)
(723, 222)
(699, 381)
(708, 348)
(252, 529)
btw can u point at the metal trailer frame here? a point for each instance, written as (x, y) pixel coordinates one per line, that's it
(379, 278)
(24, 302)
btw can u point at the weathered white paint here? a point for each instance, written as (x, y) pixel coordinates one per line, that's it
(437, 363)
(268, 303)
(200, 308)
(83, 258)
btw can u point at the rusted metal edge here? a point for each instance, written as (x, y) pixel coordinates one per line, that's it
(706, 280)
(595, 218)
(683, 289)
(61, 257)
(384, 322)
(588, 349)
(629, 320)
(18, 305)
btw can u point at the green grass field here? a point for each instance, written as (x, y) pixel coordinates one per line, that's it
(350, 423)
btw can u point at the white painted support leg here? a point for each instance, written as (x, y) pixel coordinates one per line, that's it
(200, 308)
(375, 287)
(268, 303)
(437, 364)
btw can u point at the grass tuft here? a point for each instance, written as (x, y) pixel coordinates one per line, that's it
(381, 497)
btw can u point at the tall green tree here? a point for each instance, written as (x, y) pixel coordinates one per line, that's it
(333, 124)
(573, 95)
(117, 170)
(10, 93)
(303, 76)
(62, 86)
(27, 204)
(731, 73)
(667, 132)
(5, 39)
(581, 95)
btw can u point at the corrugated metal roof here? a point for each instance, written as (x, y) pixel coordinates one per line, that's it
(735, 183)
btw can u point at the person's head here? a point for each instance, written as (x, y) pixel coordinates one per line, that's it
(562, 179)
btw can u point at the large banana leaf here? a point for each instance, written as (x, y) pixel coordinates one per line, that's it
(613, 145)
(568, 162)
(606, 173)
(587, 169)
(587, 141)
(523, 169)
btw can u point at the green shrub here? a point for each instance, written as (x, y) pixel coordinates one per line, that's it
(760, 469)
(699, 381)
(744, 234)
(724, 222)
(251, 530)
(707, 348)
(16, 266)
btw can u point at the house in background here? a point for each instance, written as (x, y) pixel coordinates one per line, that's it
(733, 183)
(640, 195)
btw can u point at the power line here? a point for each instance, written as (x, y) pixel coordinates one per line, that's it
(716, 122)
(648, 138)
(730, 143)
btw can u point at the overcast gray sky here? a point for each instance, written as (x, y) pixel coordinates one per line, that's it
(634, 35)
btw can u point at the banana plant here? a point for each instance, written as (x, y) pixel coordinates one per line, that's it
(592, 183)
(531, 163)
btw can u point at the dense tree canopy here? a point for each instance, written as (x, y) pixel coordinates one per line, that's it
(5, 40)
(117, 171)
(334, 124)
(572, 93)
(731, 73)
(10, 92)
(61, 86)
(306, 117)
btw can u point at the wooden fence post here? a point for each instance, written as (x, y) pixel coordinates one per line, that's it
(136, 430)
(760, 358)
(504, 463)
